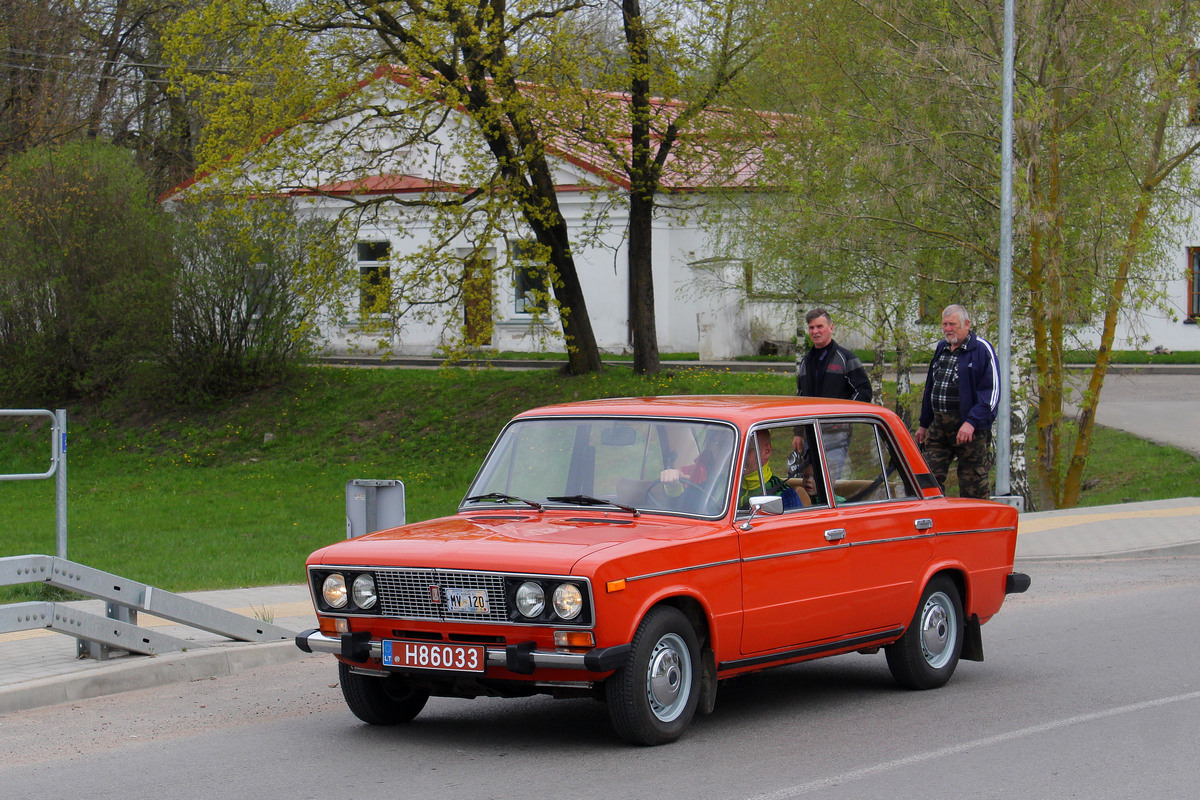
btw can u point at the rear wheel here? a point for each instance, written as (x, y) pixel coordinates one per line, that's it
(653, 697)
(389, 700)
(926, 655)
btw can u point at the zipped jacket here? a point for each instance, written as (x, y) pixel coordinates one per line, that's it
(845, 376)
(978, 383)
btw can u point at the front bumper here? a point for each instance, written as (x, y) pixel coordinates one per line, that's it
(522, 658)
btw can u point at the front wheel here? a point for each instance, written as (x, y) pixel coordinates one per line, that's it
(653, 697)
(926, 655)
(389, 700)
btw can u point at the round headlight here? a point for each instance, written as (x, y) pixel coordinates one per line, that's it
(334, 590)
(363, 590)
(531, 599)
(568, 600)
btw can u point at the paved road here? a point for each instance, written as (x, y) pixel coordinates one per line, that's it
(1080, 696)
(1162, 407)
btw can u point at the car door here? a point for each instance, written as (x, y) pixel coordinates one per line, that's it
(887, 525)
(840, 568)
(797, 572)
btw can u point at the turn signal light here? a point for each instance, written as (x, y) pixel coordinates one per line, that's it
(574, 640)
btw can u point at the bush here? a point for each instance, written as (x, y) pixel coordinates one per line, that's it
(85, 272)
(252, 280)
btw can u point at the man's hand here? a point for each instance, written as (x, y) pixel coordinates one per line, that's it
(670, 476)
(921, 435)
(965, 433)
(798, 444)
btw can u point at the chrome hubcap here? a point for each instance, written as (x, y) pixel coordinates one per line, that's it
(668, 678)
(938, 630)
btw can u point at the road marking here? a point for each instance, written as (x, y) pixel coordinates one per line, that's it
(987, 741)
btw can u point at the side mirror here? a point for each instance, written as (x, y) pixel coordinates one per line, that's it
(769, 504)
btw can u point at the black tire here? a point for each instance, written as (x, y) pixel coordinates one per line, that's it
(389, 700)
(926, 655)
(653, 697)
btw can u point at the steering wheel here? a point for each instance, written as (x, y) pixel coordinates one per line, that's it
(656, 493)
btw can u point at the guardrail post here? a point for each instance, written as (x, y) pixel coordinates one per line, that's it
(60, 481)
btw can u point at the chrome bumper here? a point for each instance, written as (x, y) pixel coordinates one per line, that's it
(522, 658)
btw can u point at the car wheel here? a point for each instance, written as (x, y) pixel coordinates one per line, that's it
(389, 700)
(926, 655)
(653, 697)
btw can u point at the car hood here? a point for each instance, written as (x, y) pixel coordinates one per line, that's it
(505, 542)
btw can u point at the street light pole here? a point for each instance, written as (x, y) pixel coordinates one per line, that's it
(1004, 354)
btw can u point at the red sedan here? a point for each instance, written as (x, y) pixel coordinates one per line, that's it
(642, 550)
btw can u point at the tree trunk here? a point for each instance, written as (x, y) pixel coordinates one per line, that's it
(643, 180)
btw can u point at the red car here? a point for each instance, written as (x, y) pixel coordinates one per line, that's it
(641, 551)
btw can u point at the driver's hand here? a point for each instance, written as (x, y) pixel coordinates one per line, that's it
(670, 476)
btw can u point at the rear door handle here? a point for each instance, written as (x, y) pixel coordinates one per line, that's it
(835, 534)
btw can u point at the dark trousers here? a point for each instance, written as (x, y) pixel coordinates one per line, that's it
(974, 457)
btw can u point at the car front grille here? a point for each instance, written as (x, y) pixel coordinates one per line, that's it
(421, 594)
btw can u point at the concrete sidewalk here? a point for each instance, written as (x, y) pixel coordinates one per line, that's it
(39, 667)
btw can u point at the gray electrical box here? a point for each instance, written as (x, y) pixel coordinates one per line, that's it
(372, 506)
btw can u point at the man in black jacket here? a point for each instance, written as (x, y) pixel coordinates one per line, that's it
(830, 370)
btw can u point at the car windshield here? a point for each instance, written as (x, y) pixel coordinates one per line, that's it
(675, 466)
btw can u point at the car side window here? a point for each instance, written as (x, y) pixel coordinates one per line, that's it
(790, 468)
(864, 463)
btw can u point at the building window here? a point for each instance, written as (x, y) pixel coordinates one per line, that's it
(531, 279)
(375, 277)
(1193, 285)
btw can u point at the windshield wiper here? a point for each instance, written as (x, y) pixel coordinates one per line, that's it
(499, 497)
(588, 500)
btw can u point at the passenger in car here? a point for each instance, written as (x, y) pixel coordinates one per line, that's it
(757, 477)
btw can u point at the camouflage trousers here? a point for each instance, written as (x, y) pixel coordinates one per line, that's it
(974, 457)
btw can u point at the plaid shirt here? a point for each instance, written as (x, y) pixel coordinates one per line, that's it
(944, 396)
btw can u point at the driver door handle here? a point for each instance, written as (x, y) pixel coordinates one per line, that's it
(923, 524)
(835, 534)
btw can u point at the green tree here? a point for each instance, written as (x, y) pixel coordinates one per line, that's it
(909, 94)
(669, 66)
(85, 272)
(455, 56)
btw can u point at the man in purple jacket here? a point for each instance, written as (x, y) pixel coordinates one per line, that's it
(962, 391)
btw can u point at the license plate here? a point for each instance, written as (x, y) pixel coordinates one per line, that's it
(471, 601)
(432, 655)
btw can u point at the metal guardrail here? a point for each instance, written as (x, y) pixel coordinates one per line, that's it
(125, 598)
(57, 469)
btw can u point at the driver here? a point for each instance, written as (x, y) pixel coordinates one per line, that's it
(717, 449)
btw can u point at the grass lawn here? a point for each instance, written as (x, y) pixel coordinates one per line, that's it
(240, 494)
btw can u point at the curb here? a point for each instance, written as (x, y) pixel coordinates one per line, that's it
(147, 671)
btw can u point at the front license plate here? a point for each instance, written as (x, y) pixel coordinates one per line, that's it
(472, 601)
(430, 655)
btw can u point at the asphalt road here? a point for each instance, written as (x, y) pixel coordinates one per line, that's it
(1090, 689)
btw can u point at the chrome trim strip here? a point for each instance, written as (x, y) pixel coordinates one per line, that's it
(684, 569)
(807, 551)
(974, 530)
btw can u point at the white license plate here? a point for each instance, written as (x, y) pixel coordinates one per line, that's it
(469, 601)
(432, 655)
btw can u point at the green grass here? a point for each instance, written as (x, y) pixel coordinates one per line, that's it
(240, 494)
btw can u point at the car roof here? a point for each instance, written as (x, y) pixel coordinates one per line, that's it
(742, 410)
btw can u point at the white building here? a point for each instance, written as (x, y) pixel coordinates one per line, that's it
(702, 302)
